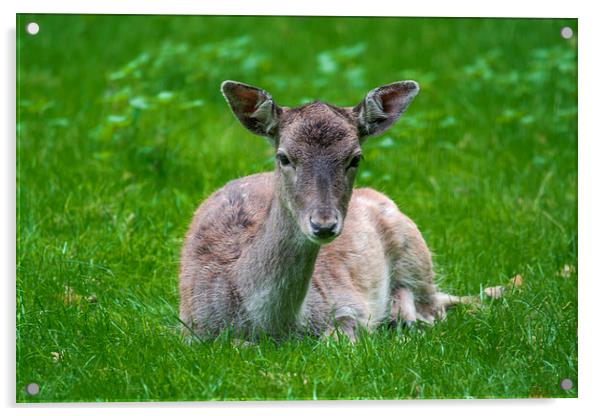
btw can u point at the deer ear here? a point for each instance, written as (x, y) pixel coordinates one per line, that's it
(383, 106)
(253, 107)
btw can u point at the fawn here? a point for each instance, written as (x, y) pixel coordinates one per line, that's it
(298, 249)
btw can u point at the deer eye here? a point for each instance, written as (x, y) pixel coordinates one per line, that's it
(283, 159)
(354, 162)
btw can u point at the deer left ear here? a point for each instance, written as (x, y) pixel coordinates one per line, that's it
(383, 105)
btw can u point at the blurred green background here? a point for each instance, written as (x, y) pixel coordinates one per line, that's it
(122, 131)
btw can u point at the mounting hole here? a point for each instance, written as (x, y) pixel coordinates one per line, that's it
(566, 384)
(566, 32)
(32, 389)
(32, 28)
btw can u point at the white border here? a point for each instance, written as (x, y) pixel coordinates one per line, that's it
(589, 193)
(508, 8)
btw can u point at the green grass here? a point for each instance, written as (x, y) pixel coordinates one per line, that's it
(122, 132)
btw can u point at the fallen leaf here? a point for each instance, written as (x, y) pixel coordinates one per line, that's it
(567, 271)
(516, 281)
(70, 297)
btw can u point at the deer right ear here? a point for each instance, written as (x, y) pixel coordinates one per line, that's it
(253, 107)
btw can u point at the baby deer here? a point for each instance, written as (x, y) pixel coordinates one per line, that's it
(298, 249)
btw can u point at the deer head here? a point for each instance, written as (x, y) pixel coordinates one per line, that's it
(317, 148)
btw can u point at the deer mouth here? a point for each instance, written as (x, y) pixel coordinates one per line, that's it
(321, 240)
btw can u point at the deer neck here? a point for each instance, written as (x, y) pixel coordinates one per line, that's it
(276, 271)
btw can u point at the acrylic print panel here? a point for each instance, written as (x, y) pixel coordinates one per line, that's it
(123, 132)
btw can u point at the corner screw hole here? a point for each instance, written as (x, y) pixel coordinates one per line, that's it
(32, 28)
(566, 32)
(566, 384)
(32, 389)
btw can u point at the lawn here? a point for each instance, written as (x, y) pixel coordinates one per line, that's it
(122, 131)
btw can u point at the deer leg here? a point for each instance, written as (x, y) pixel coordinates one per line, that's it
(406, 309)
(440, 303)
(416, 297)
(446, 301)
(343, 326)
(347, 321)
(403, 307)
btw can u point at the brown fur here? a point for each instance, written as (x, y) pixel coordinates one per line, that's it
(251, 260)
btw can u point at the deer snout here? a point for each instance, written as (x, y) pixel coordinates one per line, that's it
(324, 223)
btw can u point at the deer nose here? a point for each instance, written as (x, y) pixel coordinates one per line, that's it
(323, 225)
